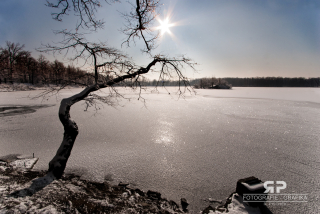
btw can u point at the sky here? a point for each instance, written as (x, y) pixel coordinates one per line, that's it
(227, 38)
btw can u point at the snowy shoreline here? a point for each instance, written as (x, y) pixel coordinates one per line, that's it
(70, 194)
(24, 190)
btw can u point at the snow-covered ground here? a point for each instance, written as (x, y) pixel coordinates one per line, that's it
(27, 191)
(196, 148)
(24, 190)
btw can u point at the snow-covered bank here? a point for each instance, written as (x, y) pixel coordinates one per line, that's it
(8, 87)
(19, 194)
(24, 190)
(17, 87)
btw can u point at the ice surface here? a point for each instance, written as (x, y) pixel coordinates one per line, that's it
(196, 148)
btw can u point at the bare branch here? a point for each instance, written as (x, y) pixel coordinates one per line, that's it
(86, 50)
(84, 9)
(139, 20)
(139, 23)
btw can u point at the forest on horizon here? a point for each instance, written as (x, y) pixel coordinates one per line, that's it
(18, 66)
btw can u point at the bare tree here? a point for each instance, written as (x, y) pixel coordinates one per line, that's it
(58, 70)
(110, 66)
(32, 66)
(3, 64)
(26, 67)
(43, 69)
(22, 65)
(11, 53)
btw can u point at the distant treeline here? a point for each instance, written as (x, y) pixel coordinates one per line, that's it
(197, 83)
(274, 82)
(210, 82)
(18, 66)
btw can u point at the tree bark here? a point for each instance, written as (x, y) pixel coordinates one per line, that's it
(58, 164)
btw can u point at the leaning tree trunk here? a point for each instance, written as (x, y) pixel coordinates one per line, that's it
(59, 161)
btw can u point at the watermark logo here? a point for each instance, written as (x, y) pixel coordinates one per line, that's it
(270, 189)
(272, 194)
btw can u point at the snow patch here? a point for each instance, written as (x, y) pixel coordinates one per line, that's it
(24, 163)
(237, 206)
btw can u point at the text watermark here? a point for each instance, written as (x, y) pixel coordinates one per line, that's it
(275, 198)
(272, 194)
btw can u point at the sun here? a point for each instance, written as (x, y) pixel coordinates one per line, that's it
(164, 26)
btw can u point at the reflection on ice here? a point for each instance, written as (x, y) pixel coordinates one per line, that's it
(164, 134)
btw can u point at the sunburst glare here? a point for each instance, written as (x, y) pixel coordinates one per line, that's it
(164, 26)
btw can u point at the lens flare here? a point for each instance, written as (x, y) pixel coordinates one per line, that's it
(164, 26)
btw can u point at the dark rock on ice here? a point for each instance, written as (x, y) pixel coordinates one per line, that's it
(184, 204)
(154, 195)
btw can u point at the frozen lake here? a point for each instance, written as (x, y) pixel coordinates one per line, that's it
(196, 148)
